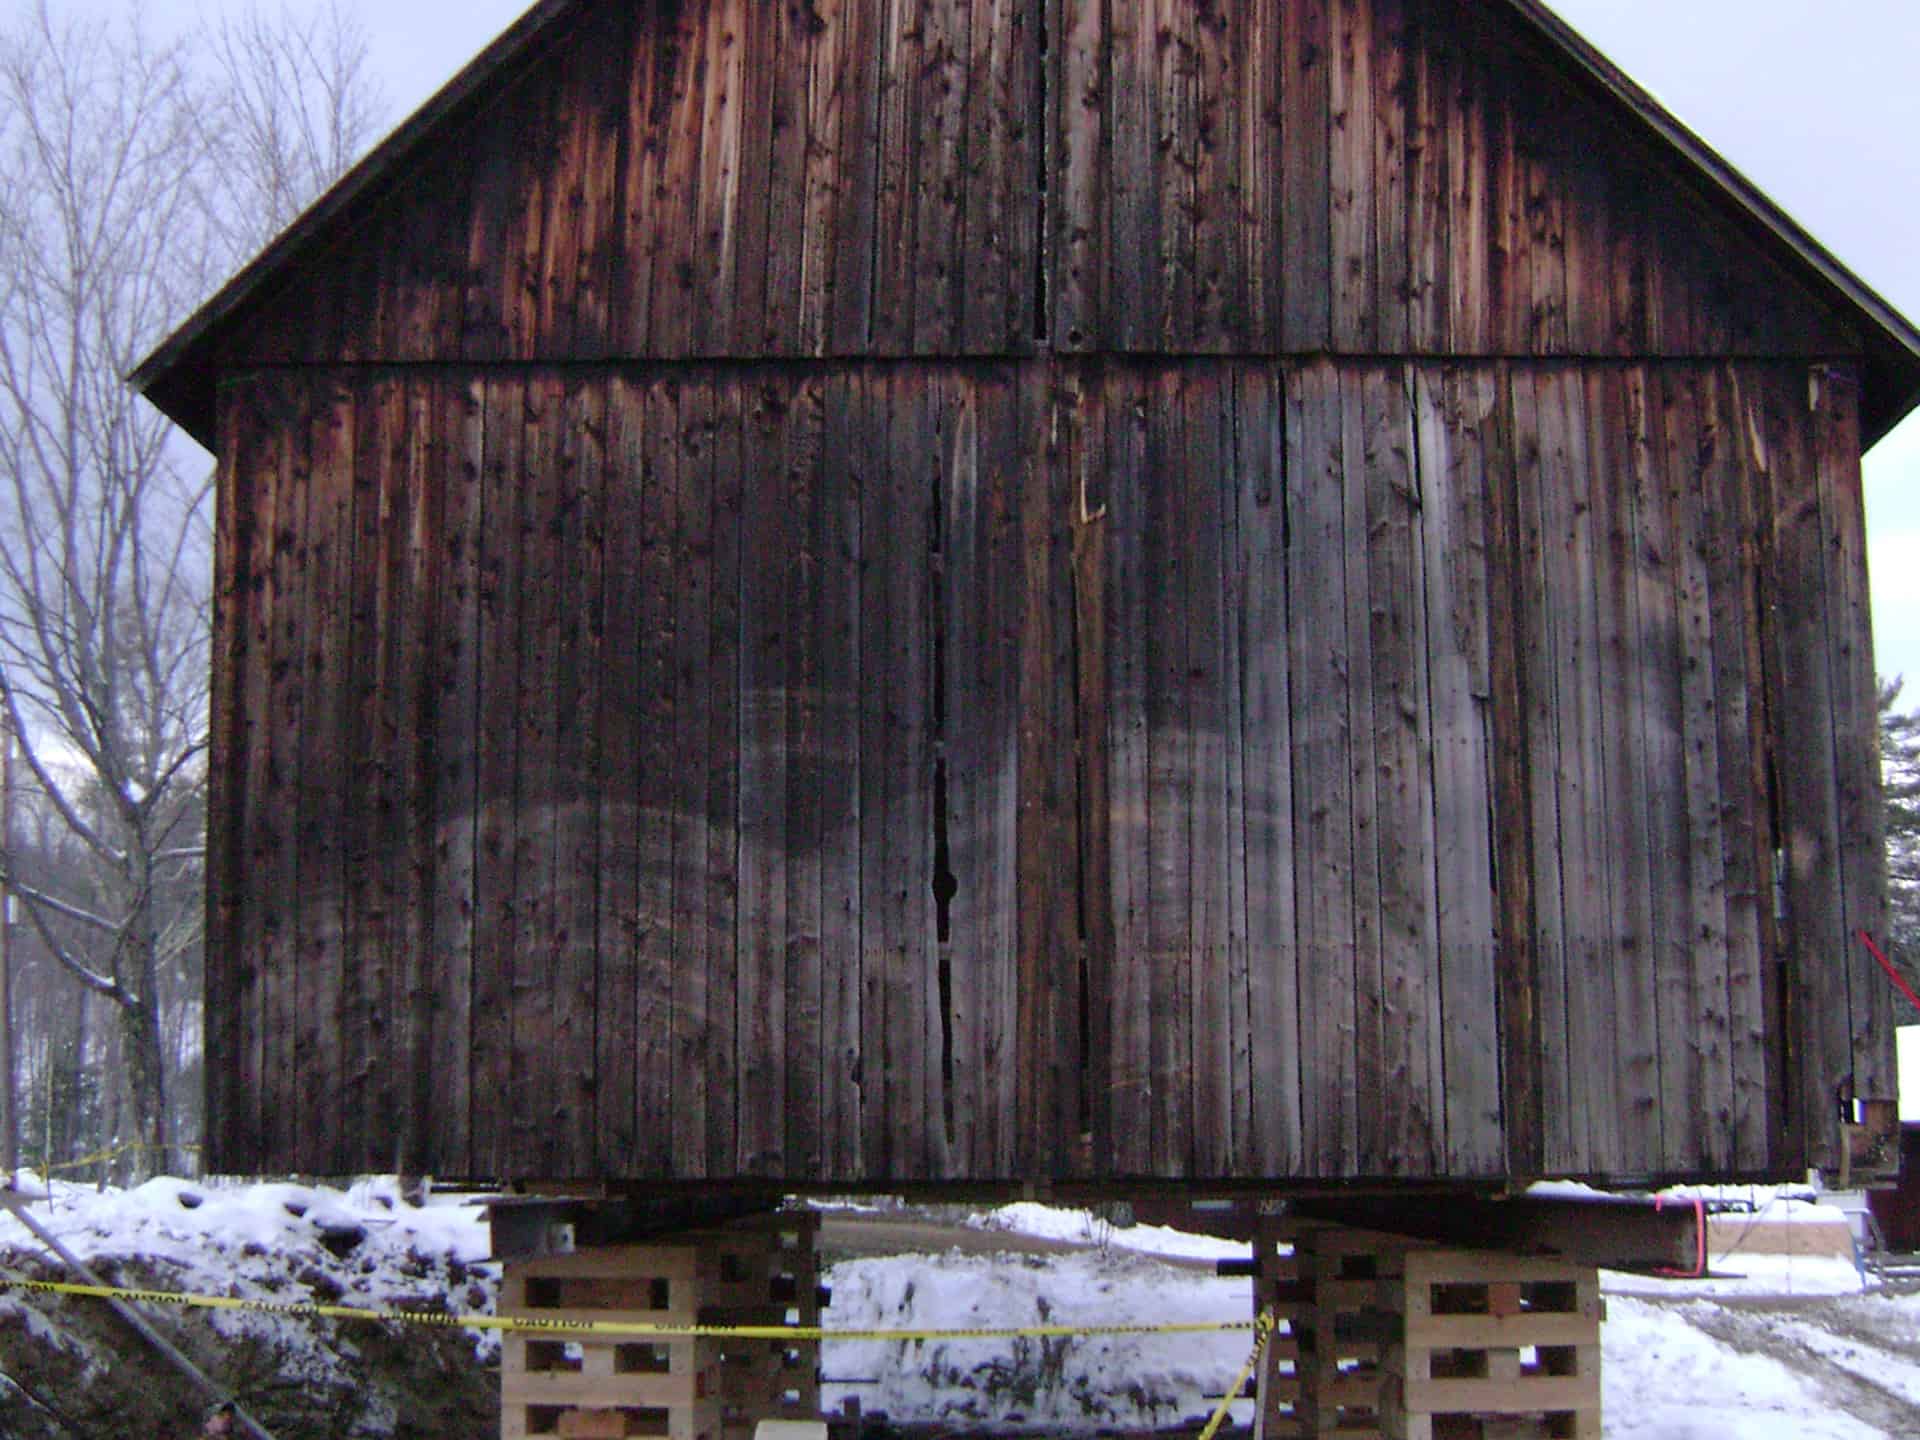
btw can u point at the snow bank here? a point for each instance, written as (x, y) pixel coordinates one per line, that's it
(364, 1247)
(1080, 1382)
(1083, 1227)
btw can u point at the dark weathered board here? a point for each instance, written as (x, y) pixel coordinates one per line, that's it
(863, 177)
(1045, 770)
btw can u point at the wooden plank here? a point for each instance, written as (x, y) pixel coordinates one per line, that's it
(415, 980)
(1077, 274)
(1267, 818)
(580, 651)
(1616, 457)
(1538, 111)
(830, 127)
(495, 917)
(1088, 463)
(364, 996)
(1305, 176)
(1399, 714)
(719, 197)
(1234, 645)
(1432, 79)
(1515, 960)
(1587, 904)
(1746, 831)
(1133, 205)
(764, 759)
(1318, 643)
(458, 420)
(693, 1030)
(1256, 76)
(725, 636)
(1354, 239)
(940, 91)
(967, 778)
(258, 466)
(1541, 468)
(1663, 778)
(841, 763)
(1049, 975)
(279, 868)
(661, 699)
(622, 704)
(581, 193)
(1815, 935)
(317, 828)
(1219, 281)
(1390, 92)
(1452, 412)
(672, 207)
(1130, 1065)
(1470, 120)
(1836, 437)
(1690, 442)
(787, 169)
(877, 621)
(1362, 811)
(651, 55)
(890, 324)
(1170, 773)
(802, 492)
(1509, 274)
(855, 193)
(993, 305)
(231, 1114)
(539, 1099)
(1215, 1006)
(1170, 318)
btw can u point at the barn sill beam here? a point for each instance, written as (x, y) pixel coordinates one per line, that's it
(1618, 1232)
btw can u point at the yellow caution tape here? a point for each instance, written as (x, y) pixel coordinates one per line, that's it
(531, 1324)
(1263, 1334)
(114, 1153)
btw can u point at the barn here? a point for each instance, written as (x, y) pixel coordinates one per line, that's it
(1089, 594)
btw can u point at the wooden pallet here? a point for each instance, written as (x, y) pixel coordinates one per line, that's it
(1493, 1347)
(756, 1272)
(1324, 1283)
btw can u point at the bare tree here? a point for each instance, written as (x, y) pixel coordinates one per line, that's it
(133, 180)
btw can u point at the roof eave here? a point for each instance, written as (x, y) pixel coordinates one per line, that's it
(159, 377)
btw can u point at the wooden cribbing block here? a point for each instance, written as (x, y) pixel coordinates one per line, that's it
(1494, 1345)
(669, 1387)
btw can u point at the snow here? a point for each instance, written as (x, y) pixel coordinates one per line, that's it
(1770, 1346)
(270, 1242)
(1079, 1382)
(1663, 1379)
(1083, 1227)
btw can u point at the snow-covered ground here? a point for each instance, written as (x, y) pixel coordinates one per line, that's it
(1781, 1346)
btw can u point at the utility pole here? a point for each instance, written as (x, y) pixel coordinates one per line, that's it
(9, 1111)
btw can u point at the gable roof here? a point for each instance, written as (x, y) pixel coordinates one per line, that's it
(178, 376)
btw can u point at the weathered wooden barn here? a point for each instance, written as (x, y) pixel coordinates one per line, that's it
(874, 593)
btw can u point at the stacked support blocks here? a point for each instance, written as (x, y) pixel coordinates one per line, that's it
(1383, 1338)
(756, 1272)
(1495, 1346)
(1324, 1284)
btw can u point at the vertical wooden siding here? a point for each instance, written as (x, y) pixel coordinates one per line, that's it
(727, 178)
(1048, 770)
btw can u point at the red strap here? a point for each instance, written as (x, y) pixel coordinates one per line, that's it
(1887, 965)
